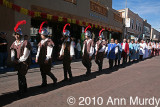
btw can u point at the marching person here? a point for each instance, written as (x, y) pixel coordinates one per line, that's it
(111, 52)
(157, 49)
(153, 48)
(44, 56)
(142, 49)
(118, 55)
(20, 56)
(136, 47)
(147, 50)
(67, 53)
(125, 51)
(100, 49)
(132, 50)
(88, 51)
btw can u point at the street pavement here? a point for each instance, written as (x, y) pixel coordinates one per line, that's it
(140, 79)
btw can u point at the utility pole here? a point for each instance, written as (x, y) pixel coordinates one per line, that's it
(125, 34)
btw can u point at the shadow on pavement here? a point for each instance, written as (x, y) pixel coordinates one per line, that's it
(8, 98)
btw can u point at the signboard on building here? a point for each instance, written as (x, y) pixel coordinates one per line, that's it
(96, 7)
(154, 36)
(128, 22)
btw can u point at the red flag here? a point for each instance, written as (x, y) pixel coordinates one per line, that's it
(17, 8)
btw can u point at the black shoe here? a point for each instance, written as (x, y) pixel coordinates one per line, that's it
(100, 69)
(64, 80)
(43, 85)
(20, 94)
(55, 82)
(70, 80)
(88, 73)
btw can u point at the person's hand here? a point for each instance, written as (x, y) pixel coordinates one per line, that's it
(96, 53)
(36, 60)
(46, 61)
(4, 43)
(60, 57)
(16, 61)
(90, 57)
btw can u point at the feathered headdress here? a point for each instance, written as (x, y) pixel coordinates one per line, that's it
(18, 30)
(87, 28)
(40, 29)
(64, 28)
(101, 32)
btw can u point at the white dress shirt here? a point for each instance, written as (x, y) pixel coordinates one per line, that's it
(123, 46)
(102, 49)
(72, 53)
(91, 48)
(25, 55)
(49, 50)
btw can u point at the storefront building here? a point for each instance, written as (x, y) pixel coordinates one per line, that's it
(79, 13)
(146, 30)
(154, 35)
(133, 24)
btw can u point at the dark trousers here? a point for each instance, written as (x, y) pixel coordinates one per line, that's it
(22, 69)
(67, 68)
(116, 60)
(110, 63)
(22, 84)
(87, 63)
(152, 52)
(99, 60)
(157, 52)
(124, 60)
(141, 57)
(3, 59)
(46, 70)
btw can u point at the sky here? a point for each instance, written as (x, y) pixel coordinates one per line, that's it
(146, 9)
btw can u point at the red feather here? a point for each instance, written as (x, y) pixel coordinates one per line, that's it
(87, 28)
(42, 26)
(101, 32)
(19, 23)
(64, 28)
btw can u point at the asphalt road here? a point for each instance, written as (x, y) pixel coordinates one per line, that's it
(138, 80)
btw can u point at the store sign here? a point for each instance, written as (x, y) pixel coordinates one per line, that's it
(154, 36)
(96, 7)
(128, 22)
(98, 17)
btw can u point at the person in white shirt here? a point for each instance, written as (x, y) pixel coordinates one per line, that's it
(87, 51)
(157, 49)
(78, 47)
(20, 56)
(44, 56)
(66, 54)
(100, 50)
(142, 49)
(149, 49)
(146, 50)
